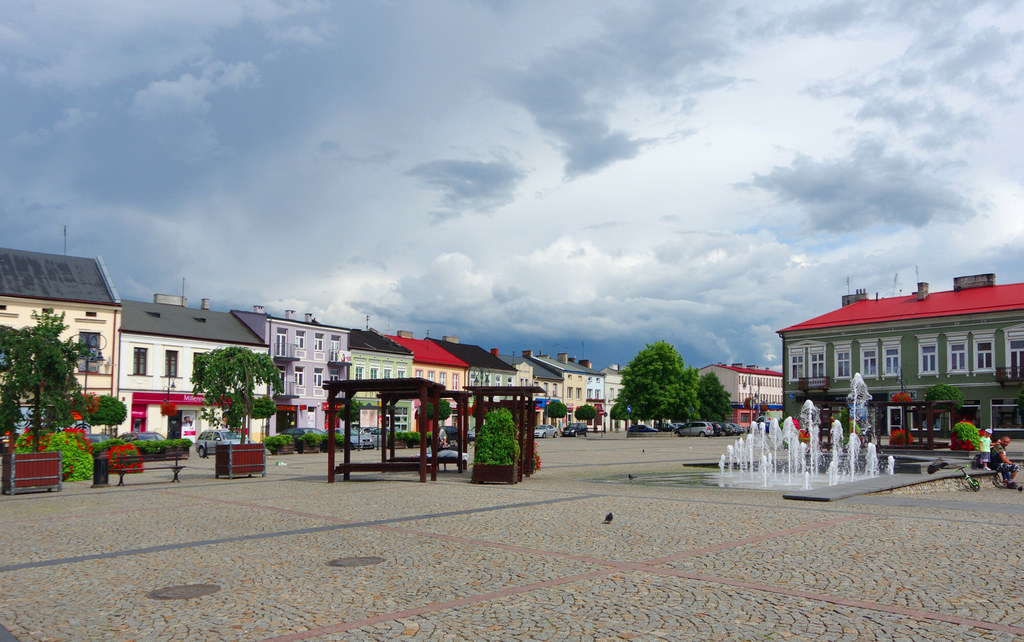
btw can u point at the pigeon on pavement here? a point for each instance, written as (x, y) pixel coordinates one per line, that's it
(608, 518)
(936, 465)
(631, 476)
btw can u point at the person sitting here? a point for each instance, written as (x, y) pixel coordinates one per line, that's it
(1002, 463)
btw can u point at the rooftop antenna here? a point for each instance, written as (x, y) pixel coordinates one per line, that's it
(847, 285)
(917, 274)
(182, 288)
(65, 240)
(367, 321)
(895, 282)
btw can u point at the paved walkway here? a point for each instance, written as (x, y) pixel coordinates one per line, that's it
(453, 560)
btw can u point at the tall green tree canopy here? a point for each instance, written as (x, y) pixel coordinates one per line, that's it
(37, 368)
(657, 384)
(111, 412)
(945, 392)
(585, 413)
(713, 397)
(228, 379)
(557, 409)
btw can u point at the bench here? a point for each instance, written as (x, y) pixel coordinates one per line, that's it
(170, 462)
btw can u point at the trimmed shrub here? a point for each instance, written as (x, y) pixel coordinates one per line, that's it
(965, 437)
(496, 442)
(273, 443)
(76, 452)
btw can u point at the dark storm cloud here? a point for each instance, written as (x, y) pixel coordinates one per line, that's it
(572, 91)
(470, 185)
(868, 188)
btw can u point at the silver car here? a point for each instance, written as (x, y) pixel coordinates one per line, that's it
(208, 440)
(545, 430)
(696, 429)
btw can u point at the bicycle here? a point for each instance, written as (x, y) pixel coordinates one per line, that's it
(967, 482)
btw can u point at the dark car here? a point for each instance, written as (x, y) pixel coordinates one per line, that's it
(97, 438)
(575, 430)
(141, 436)
(641, 428)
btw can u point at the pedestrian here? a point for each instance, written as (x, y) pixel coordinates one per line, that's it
(985, 446)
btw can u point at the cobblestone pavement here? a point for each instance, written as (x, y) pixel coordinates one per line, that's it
(457, 561)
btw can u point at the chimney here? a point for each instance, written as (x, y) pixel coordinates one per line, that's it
(572, 359)
(542, 355)
(494, 351)
(309, 317)
(585, 363)
(563, 357)
(614, 367)
(527, 353)
(973, 281)
(405, 334)
(258, 309)
(860, 295)
(289, 314)
(736, 365)
(204, 304)
(450, 339)
(922, 291)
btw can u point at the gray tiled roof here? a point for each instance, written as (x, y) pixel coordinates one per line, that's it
(474, 355)
(373, 341)
(55, 277)
(176, 321)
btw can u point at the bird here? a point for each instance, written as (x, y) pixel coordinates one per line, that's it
(936, 465)
(631, 476)
(608, 518)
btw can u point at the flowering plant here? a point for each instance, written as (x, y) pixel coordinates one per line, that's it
(117, 456)
(965, 436)
(536, 459)
(86, 404)
(901, 397)
(901, 438)
(804, 436)
(168, 409)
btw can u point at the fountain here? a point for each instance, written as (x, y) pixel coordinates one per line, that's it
(774, 457)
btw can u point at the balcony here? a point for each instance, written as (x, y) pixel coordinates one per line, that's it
(814, 384)
(337, 358)
(1012, 374)
(283, 351)
(288, 392)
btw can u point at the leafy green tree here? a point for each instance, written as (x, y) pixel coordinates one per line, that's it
(444, 410)
(945, 392)
(618, 412)
(557, 410)
(713, 397)
(37, 368)
(657, 384)
(110, 412)
(585, 413)
(227, 378)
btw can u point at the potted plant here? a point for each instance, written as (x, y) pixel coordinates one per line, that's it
(965, 436)
(310, 442)
(496, 451)
(279, 444)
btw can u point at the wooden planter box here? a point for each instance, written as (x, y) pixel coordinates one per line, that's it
(302, 447)
(170, 453)
(494, 474)
(240, 460)
(27, 472)
(286, 449)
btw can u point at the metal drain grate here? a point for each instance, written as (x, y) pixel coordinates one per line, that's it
(183, 592)
(349, 562)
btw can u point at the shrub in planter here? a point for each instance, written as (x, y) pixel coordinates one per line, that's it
(496, 443)
(900, 438)
(26, 443)
(273, 443)
(965, 437)
(76, 452)
(118, 454)
(409, 438)
(313, 439)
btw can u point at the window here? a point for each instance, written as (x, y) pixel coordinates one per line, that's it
(869, 361)
(359, 372)
(1017, 354)
(892, 360)
(300, 376)
(318, 377)
(983, 351)
(335, 343)
(554, 390)
(300, 339)
(929, 359)
(796, 364)
(430, 375)
(843, 363)
(817, 364)
(958, 356)
(139, 361)
(170, 363)
(374, 372)
(387, 372)
(419, 373)
(318, 341)
(455, 381)
(443, 380)
(334, 374)
(401, 372)
(281, 347)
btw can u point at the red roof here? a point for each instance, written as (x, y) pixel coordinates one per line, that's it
(425, 351)
(995, 298)
(753, 371)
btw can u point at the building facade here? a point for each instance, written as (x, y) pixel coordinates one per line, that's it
(375, 356)
(753, 391)
(971, 337)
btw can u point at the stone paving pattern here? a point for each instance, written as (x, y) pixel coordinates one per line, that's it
(530, 561)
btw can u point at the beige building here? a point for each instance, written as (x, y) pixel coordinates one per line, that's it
(753, 391)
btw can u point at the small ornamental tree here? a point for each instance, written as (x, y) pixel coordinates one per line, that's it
(496, 442)
(965, 437)
(618, 412)
(945, 392)
(585, 413)
(557, 410)
(227, 378)
(111, 411)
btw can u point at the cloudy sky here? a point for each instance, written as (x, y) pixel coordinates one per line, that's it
(581, 177)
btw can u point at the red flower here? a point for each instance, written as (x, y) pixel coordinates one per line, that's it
(168, 409)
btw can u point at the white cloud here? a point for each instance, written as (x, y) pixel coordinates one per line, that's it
(188, 94)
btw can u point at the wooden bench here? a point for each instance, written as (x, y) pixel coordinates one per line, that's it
(169, 462)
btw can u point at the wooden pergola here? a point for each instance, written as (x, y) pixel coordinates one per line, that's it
(923, 413)
(519, 401)
(390, 392)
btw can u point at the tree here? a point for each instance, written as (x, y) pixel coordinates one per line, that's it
(945, 392)
(38, 368)
(557, 410)
(111, 412)
(585, 413)
(657, 384)
(713, 397)
(227, 378)
(618, 412)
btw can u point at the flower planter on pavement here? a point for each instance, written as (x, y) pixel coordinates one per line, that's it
(240, 460)
(495, 474)
(28, 472)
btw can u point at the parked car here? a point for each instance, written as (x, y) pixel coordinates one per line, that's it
(695, 429)
(141, 436)
(719, 428)
(575, 430)
(360, 439)
(545, 430)
(97, 438)
(665, 427)
(734, 429)
(208, 440)
(641, 428)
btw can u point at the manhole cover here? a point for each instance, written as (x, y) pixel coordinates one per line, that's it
(183, 592)
(347, 562)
